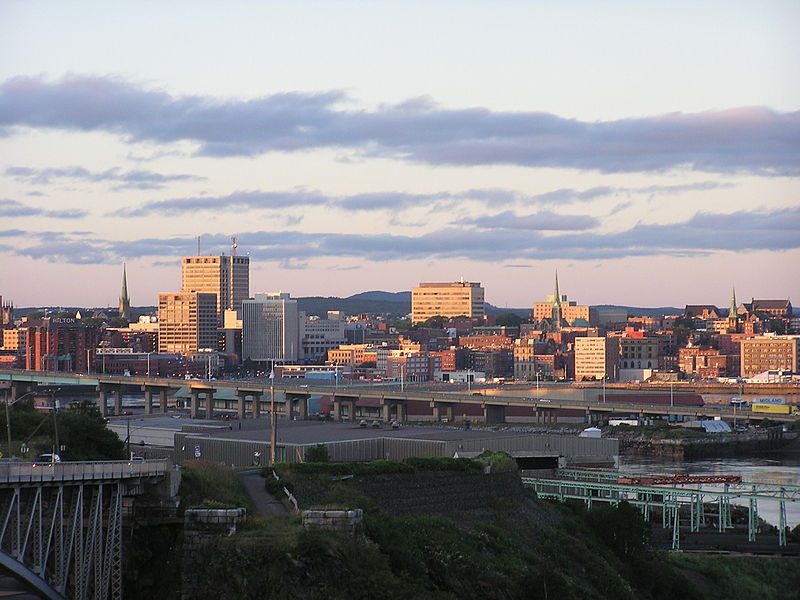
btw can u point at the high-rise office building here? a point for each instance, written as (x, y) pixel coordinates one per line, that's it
(187, 322)
(596, 358)
(226, 276)
(270, 329)
(460, 298)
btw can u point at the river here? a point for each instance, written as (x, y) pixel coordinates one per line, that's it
(775, 468)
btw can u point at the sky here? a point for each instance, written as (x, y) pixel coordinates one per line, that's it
(647, 152)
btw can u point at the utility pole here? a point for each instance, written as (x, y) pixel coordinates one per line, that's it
(273, 448)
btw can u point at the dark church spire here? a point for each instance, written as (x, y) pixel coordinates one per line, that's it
(124, 301)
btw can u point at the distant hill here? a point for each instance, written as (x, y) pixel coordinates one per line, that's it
(645, 312)
(383, 296)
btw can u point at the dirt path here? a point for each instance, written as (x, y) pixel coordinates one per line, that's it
(267, 506)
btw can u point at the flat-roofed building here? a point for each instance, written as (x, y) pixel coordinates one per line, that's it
(228, 277)
(270, 329)
(447, 300)
(187, 322)
(769, 353)
(318, 336)
(596, 358)
(59, 344)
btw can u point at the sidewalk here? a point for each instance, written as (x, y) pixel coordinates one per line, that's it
(267, 506)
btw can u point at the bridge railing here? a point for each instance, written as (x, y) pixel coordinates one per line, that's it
(26, 472)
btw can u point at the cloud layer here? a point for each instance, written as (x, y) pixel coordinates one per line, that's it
(138, 179)
(742, 140)
(702, 234)
(12, 208)
(396, 201)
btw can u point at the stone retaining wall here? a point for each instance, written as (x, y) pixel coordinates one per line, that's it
(338, 520)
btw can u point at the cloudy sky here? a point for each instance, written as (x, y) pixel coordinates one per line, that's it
(649, 152)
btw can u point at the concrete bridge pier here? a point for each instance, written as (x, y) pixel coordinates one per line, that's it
(103, 402)
(400, 409)
(209, 404)
(337, 410)
(117, 391)
(195, 403)
(442, 412)
(103, 391)
(162, 400)
(148, 401)
(18, 390)
(241, 403)
(494, 413)
(302, 406)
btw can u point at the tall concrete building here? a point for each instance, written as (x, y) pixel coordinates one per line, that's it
(187, 322)
(447, 300)
(596, 357)
(270, 329)
(769, 353)
(226, 276)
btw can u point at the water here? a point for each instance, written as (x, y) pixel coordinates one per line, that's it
(780, 469)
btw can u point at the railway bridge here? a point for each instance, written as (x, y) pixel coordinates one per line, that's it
(61, 523)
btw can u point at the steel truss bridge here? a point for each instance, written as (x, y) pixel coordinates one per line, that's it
(61, 523)
(590, 486)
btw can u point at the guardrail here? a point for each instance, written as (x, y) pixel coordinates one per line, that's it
(26, 472)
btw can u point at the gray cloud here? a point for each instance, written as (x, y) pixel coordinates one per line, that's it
(237, 200)
(700, 235)
(12, 208)
(541, 221)
(750, 140)
(138, 179)
(394, 201)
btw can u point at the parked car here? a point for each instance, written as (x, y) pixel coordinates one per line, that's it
(48, 458)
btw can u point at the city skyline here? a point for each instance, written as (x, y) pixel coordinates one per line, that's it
(649, 154)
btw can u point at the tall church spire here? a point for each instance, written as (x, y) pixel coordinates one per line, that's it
(556, 313)
(124, 301)
(732, 313)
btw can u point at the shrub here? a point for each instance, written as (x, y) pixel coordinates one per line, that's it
(317, 454)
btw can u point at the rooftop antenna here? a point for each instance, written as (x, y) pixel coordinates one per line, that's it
(234, 245)
(198, 245)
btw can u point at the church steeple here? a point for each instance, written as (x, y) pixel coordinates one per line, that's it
(556, 311)
(732, 313)
(124, 301)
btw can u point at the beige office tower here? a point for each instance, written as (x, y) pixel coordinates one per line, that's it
(596, 358)
(187, 322)
(226, 276)
(446, 300)
(769, 353)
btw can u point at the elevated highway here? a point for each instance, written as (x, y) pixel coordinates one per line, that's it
(253, 398)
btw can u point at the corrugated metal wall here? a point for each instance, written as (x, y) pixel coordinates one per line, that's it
(242, 452)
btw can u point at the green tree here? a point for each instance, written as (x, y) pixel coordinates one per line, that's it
(80, 428)
(118, 322)
(93, 322)
(436, 322)
(508, 320)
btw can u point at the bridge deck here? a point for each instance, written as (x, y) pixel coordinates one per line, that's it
(25, 472)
